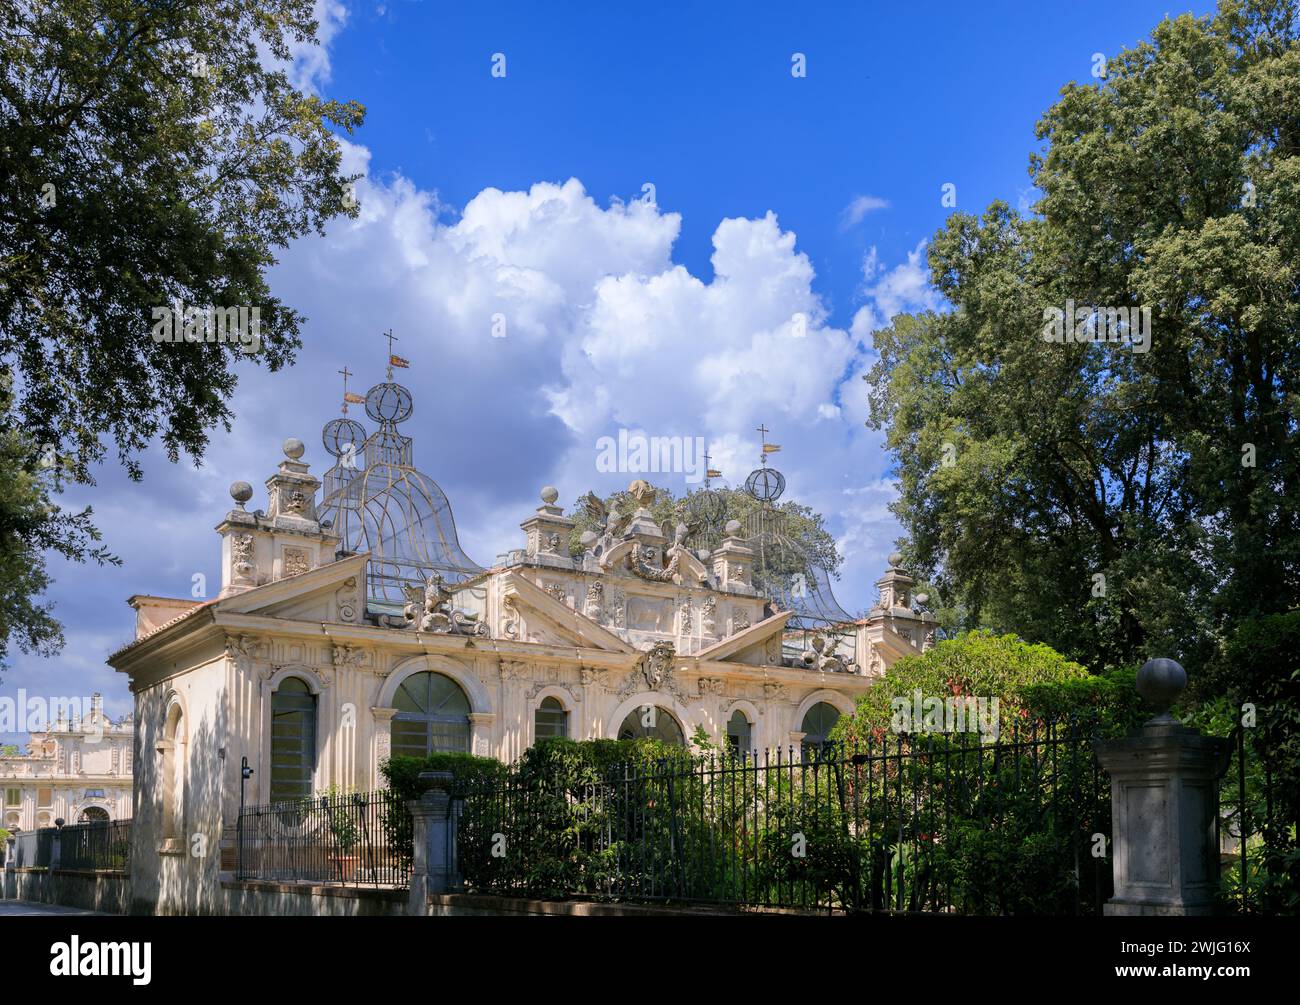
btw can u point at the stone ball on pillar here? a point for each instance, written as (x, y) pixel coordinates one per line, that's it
(241, 492)
(732, 528)
(294, 448)
(549, 494)
(895, 559)
(1160, 682)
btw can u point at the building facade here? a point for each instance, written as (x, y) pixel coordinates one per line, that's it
(350, 627)
(77, 770)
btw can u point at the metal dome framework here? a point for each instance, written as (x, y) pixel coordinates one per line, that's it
(379, 503)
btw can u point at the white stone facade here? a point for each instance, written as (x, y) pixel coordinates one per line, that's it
(73, 771)
(637, 623)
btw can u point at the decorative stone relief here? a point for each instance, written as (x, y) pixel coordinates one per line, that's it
(512, 670)
(684, 622)
(558, 591)
(348, 656)
(241, 553)
(772, 652)
(348, 598)
(773, 691)
(595, 600)
(594, 676)
(296, 560)
(709, 616)
(242, 650)
(616, 611)
(739, 619)
(511, 628)
(430, 610)
(710, 686)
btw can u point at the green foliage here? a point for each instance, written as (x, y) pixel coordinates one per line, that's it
(31, 525)
(1265, 652)
(128, 181)
(805, 527)
(402, 774)
(979, 664)
(1027, 467)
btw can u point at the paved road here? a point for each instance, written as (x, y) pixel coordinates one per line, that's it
(24, 908)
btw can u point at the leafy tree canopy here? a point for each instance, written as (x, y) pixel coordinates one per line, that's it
(1120, 504)
(806, 528)
(151, 155)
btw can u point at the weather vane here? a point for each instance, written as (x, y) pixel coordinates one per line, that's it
(393, 359)
(346, 374)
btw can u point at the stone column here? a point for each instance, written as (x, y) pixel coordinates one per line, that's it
(434, 867)
(480, 733)
(1164, 807)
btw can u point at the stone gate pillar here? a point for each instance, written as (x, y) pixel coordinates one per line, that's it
(434, 867)
(1164, 807)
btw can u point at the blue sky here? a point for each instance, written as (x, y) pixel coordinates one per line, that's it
(523, 196)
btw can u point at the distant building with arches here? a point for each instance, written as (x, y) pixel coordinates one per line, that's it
(77, 770)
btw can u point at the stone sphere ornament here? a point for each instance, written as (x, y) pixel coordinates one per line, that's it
(1160, 682)
(732, 528)
(895, 559)
(241, 492)
(549, 494)
(294, 448)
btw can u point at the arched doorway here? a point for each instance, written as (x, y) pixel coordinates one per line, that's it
(93, 815)
(650, 722)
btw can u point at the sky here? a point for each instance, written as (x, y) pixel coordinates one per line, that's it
(650, 197)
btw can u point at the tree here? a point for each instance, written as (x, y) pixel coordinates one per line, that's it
(1120, 499)
(806, 528)
(152, 155)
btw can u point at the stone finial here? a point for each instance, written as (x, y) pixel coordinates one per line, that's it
(895, 559)
(642, 491)
(241, 492)
(294, 448)
(549, 494)
(1160, 682)
(732, 528)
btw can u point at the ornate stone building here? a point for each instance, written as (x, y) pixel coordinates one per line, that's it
(78, 769)
(351, 626)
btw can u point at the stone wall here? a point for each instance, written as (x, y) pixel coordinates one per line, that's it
(108, 892)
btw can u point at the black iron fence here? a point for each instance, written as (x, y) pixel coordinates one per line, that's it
(932, 823)
(103, 845)
(355, 839)
(1253, 848)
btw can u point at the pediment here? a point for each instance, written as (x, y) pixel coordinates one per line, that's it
(331, 593)
(559, 623)
(749, 645)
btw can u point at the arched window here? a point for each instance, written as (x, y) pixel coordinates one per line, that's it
(93, 815)
(738, 732)
(817, 723)
(432, 716)
(550, 719)
(650, 722)
(293, 740)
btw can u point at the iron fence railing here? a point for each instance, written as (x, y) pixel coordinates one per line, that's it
(355, 839)
(930, 823)
(104, 845)
(101, 845)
